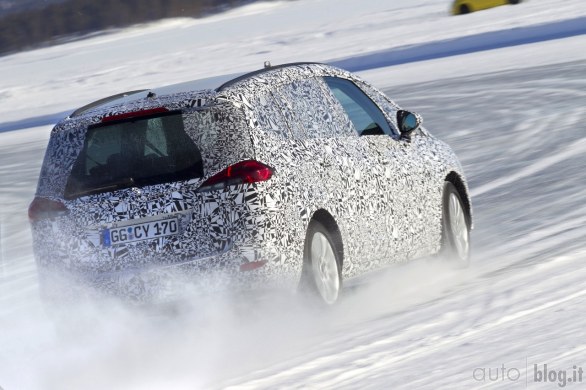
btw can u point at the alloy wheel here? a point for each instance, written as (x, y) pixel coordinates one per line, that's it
(325, 268)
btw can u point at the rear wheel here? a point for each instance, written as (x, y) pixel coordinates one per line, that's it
(322, 264)
(464, 9)
(514, 1)
(455, 227)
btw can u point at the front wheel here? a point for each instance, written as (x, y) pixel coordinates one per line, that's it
(322, 264)
(455, 227)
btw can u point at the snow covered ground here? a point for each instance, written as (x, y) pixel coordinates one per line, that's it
(515, 116)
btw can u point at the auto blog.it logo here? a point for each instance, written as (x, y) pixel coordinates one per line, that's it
(544, 374)
(534, 373)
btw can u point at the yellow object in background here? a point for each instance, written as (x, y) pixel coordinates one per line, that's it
(460, 7)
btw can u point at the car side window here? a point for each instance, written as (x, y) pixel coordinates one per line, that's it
(387, 106)
(364, 114)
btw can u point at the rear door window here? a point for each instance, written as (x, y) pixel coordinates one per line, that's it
(134, 153)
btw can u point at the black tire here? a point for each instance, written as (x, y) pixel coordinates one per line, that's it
(464, 9)
(513, 2)
(309, 279)
(455, 228)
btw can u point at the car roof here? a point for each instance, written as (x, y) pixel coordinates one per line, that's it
(210, 84)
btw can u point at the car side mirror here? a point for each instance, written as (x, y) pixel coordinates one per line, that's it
(408, 122)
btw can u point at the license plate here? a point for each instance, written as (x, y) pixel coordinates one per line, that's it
(140, 231)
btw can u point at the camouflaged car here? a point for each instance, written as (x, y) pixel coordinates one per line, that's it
(292, 176)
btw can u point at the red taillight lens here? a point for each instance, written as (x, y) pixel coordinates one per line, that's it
(248, 171)
(43, 208)
(252, 265)
(134, 114)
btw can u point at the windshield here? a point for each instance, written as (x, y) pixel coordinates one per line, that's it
(133, 153)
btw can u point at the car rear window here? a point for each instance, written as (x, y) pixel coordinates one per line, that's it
(134, 153)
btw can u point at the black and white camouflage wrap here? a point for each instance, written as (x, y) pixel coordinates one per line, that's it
(383, 193)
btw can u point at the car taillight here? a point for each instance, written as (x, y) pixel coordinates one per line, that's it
(252, 265)
(134, 114)
(43, 208)
(249, 171)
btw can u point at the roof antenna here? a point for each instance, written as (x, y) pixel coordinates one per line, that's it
(267, 64)
(151, 95)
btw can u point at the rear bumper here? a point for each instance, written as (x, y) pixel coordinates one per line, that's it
(221, 233)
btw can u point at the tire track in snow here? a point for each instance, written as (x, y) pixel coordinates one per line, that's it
(576, 148)
(366, 360)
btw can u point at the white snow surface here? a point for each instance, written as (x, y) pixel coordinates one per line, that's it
(514, 115)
